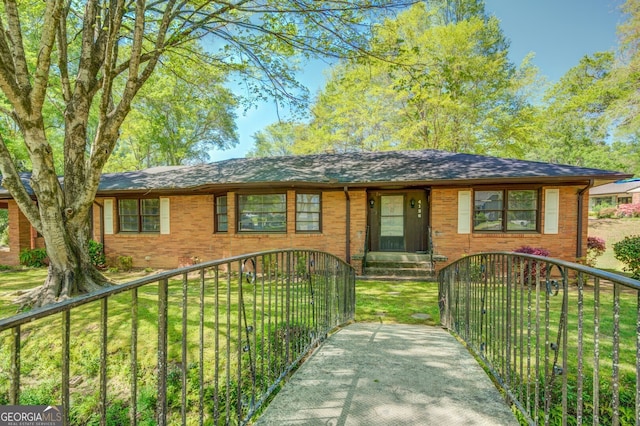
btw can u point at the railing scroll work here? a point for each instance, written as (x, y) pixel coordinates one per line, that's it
(562, 340)
(204, 344)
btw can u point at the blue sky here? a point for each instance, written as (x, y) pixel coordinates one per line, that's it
(558, 32)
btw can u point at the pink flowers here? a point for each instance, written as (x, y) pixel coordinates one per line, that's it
(628, 210)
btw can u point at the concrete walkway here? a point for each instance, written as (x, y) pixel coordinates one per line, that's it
(383, 374)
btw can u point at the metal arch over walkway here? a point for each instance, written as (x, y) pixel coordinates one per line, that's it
(383, 374)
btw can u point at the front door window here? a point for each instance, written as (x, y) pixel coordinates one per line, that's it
(392, 222)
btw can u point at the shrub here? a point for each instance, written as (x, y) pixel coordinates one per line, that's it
(532, 250)
(96, 253)
(595, 248)
(125, 263)
(628, 210)
(530, 268)
(608, 212)
(627, 251)
(33, 258)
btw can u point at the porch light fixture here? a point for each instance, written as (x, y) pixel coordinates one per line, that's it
(413, 203)
(371, 202)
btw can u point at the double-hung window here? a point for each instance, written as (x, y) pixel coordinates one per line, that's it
(139, 215)
(262, 213)
(221, 217)
(308, 210)
(511, 210)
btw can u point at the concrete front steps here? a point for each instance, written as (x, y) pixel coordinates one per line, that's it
(400, 265)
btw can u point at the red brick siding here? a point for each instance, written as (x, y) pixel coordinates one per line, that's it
(192, 234)
(447, 241)
(19, 236)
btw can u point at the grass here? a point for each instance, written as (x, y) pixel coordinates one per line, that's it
(612, 231)
(41, 358)
(397, 302)
(379, 301)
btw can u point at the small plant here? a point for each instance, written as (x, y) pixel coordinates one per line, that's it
(125, 263)
(596, 247)
(531, 267)
(35, 258)
(96, 253)
(607, 212)
(627, 251)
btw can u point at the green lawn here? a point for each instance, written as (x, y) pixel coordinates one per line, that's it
(612, 231)
(397, 302)
(379, 301)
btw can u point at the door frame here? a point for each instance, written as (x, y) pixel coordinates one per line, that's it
(416, 218)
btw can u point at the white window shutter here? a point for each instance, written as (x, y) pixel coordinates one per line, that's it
(464, 212)
(551, 210)
(164, 216)
(107, 211)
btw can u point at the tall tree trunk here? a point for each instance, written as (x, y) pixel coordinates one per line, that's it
(65, 230)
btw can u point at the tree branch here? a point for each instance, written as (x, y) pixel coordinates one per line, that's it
(47, 42)
(12, 182)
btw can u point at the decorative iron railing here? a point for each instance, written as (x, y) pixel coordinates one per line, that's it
(203, 344)
(561, 339)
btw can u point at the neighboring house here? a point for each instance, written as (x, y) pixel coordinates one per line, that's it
(625, 191)
(353, 204)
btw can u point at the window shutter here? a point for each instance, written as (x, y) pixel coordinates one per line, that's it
(164, 216)
(107, 211)
(551, 210)
(464, 212)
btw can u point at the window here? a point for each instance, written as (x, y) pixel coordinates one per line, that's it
(624, 200)
(308, 212)
(262, 213)
(221, 217)
(139, 215)
(505, 211)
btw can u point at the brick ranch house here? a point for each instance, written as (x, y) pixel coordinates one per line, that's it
(429, 203)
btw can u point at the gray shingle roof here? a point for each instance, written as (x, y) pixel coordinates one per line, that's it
(425, 167)
(356, 168)
(616, 187)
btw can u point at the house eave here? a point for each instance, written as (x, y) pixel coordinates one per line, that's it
(213, 188)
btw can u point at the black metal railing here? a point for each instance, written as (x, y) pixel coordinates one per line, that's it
(203, 344)
(561, 339)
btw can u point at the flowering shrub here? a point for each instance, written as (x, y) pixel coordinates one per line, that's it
(595, 248)
(530, 268)
(628, 210)
(532, 250)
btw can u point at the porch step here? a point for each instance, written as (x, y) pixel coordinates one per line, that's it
(398, 265)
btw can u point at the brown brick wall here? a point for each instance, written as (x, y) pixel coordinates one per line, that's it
(192, 236)
(19, 236)
(192, 222)
(447, 241)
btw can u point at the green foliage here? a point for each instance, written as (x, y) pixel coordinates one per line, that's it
(125, 263)
(628, 252)
(4, 227)
(606, 212)
(33, 258)
(96, 253)
(179, 118)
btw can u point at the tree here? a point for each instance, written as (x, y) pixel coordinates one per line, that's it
(96, 56)
(178, 118)
(440, 79)
(277, 139)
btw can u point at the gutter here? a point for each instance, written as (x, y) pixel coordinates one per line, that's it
(579, 253)
(348, 226)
